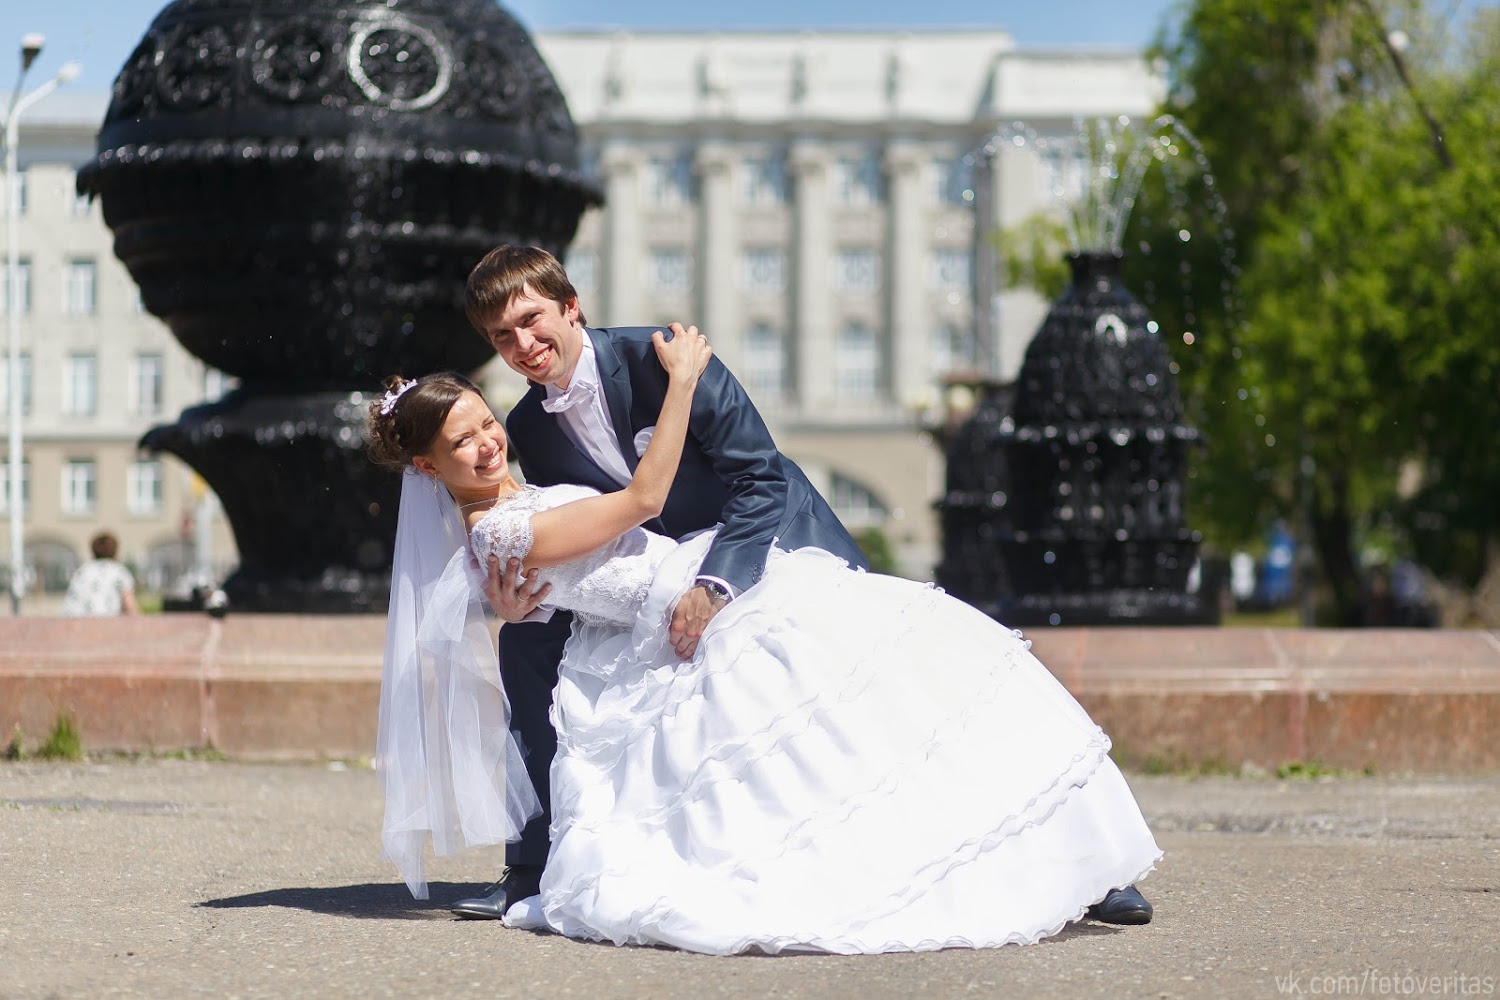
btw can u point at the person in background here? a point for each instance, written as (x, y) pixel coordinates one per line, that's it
(101, 587)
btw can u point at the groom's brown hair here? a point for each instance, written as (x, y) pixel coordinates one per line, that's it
(504, 272)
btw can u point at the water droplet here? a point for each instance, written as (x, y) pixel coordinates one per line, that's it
(1188, 338)
(1270, 440)
(1049, 558)
(1184, 235)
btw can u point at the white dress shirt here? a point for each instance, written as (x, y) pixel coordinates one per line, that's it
(586, 420)
(581, 411)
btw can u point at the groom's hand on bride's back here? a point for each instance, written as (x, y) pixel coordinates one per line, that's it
(512, 593)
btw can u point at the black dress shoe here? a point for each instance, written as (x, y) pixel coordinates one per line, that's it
(517, 883)
(1122, 906)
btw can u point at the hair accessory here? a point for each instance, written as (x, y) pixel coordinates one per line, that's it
(388, 401)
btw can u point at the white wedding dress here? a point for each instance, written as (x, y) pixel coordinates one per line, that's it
(851, 763)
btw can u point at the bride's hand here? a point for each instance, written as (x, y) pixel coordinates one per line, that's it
(686, 355)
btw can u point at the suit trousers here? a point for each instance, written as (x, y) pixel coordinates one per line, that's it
(529, 656)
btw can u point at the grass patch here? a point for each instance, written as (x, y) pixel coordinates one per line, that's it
(64, 742)
(1175, 763)
(1288, 617)
(16, 748)
(1311, 770)
(190, 753)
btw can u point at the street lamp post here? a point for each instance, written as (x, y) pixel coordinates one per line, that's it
(31, 47)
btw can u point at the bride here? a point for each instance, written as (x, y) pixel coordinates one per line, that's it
(850, 762)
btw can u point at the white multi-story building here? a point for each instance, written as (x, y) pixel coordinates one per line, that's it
(808, 200)
(97, 372)
(803, 197)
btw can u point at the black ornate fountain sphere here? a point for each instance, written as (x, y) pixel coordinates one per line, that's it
(299, 190)
(974, 511)
(1091, 530)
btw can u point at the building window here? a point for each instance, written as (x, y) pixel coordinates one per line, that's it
(143, 487)
(24, 368)
(856, 363)
(952, 182)
(953, 350)
(669, 179)
(583, 270)
(23, 276)
(857, 271)
(145, 385)
(1065, 174)
(82, 280)
(78, 487)
(763, 270)
(588, 160)
(79, 396)
(948, 270)
(855, 503)
(765, 181)
(858, 180)
(669, 271)
(5, 486)
(78, 204)
(765, 364)
(217, 385)
(23, 191)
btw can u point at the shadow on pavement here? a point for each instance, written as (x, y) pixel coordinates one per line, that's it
(380, 901)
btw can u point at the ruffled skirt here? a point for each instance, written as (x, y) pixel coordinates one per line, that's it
(852, 763)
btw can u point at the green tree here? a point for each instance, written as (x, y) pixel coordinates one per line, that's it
(1350, 332)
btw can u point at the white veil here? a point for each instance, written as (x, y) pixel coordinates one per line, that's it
(444, 752)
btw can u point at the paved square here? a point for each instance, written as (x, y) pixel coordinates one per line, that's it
(172, 878)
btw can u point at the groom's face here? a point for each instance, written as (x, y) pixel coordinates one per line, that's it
(538, 337)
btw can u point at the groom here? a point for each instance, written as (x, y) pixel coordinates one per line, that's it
(592, 405)
(594, 398)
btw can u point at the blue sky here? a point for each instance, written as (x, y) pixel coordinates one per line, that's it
(101, 33)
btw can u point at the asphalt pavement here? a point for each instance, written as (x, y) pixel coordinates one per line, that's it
(180, 878)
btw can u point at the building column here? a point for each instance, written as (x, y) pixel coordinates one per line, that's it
(908, 339)
(1012, 187)
(719, 313)
(812, 333)
(985, 278)
(620, 298)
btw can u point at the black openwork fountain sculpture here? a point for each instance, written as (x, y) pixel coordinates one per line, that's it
(1065, 493)
(1097, 452)
(299, 191)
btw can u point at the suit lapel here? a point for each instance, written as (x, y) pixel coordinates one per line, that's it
(614, 380)
(547, 451)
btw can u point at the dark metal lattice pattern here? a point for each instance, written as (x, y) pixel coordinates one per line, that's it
(299, 190)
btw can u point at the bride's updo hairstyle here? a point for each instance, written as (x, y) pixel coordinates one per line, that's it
(404, 420)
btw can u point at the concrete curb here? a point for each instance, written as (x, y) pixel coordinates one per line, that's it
(308, 686)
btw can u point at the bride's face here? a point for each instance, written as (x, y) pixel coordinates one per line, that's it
(469, 453)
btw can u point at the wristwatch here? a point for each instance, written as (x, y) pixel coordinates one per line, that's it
(715, 589)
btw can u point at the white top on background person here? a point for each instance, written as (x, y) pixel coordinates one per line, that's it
(101, 587)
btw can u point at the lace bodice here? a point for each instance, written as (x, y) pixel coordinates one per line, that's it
(607, 585)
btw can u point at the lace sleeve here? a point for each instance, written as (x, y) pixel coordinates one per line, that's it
(503, 532)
